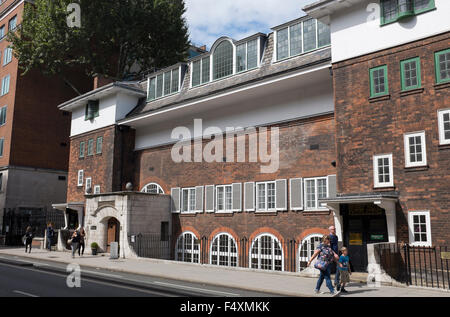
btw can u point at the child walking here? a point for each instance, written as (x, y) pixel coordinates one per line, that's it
(344, 270)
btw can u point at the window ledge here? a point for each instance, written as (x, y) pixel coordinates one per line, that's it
(224, 214)
(442, 85)
(316, 212)
(416, 168)
(411, 92)
(387, 188)
(188, 214)
(379, 98)
(266, 213)
(443, 147)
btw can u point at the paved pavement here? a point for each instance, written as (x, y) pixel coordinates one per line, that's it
(283, 283)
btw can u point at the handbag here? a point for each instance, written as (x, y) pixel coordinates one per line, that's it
(69, 241)
(321, 265)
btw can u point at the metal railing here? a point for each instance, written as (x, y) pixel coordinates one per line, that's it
(152, 246)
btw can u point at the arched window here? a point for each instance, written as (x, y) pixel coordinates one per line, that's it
(266, 253)
(224, 250)
(187, 248)
(152, 188)
(223, 60)
(306, 250)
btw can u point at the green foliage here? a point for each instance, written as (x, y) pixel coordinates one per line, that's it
(94, 245)
(115, 36)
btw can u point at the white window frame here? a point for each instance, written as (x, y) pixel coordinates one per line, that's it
(211, 60)
(7, 55)
(309, 249)
(183, 251)
(442, 140)
(5, 88)
(228, 254)
(377, 183)
(159, 189)
(316, 191)
(163, 81)
(266, 209)
(272, 256)
(408, 162)
(412, 241)
(224, 199)
(80, 178)
(190, 209)
(88, 180)
(191, 73)
(96, 189)
(5, 111)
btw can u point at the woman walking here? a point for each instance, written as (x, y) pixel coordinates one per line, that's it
(326, 257)
(28, 239)
(82, 242)
(75, 242)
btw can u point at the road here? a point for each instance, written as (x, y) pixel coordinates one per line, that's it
(21, 278)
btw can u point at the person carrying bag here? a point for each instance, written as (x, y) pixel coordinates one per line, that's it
(326, 257)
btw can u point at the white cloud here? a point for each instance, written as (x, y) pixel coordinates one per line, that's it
(210, 19)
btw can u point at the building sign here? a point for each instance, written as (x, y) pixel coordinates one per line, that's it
(445, 255)
(377, 237)
(365, 210)
(355, 238)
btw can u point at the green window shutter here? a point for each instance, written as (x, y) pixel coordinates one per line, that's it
(378, 81)
(442, 66)
(423, 6)
(82, 146)
(99, 144)
(410, 73)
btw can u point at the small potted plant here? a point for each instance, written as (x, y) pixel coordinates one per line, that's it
(94, 248)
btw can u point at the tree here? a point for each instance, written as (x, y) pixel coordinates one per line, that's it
(121, 39)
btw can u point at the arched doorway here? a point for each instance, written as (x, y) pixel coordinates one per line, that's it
(112, 234)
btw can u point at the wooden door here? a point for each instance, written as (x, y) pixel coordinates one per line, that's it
(113, 232)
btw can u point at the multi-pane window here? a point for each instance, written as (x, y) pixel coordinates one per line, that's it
(378, 81)
(99, 145)
(82, 149)
(442, 65)
(7, 56)
(152, 188)
(393, 10)
(12, 23)
(224, 250)
(419, 228)
(415, 149)
(201, 71)
(410, 73)
(301, 37)
(383, 171)
(307, 248)
(444, 126)
(88, 185)
(266, 253)
(2, 143)
(96, 189)
(224, 198)
(3, 115)
(315, 189)
(188, 200)
(164, 84)
(223, 60)
(90, 147)
(80, 179)
(247, 55)
(5, 85)
(2, 32)
(187, 248)
(265, 196)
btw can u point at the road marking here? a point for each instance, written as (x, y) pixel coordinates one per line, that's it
(24, 293)
(204, 290)
(98, 273)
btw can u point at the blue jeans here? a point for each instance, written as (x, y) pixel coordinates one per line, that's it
(325, 275)
(49, 244)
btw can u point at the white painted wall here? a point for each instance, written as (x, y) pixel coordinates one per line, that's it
(111, 109)
(356, 31)
(259, 110)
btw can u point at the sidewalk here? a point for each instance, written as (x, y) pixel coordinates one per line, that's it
(287, 284)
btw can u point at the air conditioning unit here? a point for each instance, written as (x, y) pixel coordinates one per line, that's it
(92, 109)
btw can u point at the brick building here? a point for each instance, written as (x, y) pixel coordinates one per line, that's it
(329, 99)
(34, 136)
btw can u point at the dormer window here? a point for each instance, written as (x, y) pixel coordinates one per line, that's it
(92, 110)
(164, 84)
(223, 60)
(247, 56)
(300, 37)
(395, 10)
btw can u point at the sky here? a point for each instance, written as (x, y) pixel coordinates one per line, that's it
(210, 19)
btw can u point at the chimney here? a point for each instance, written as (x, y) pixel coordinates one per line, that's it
(100, 81)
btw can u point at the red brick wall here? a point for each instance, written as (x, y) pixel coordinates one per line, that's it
(367, 127)
(296, 160)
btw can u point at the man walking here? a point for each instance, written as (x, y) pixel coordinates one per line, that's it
(335, 247)
(50, 234)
